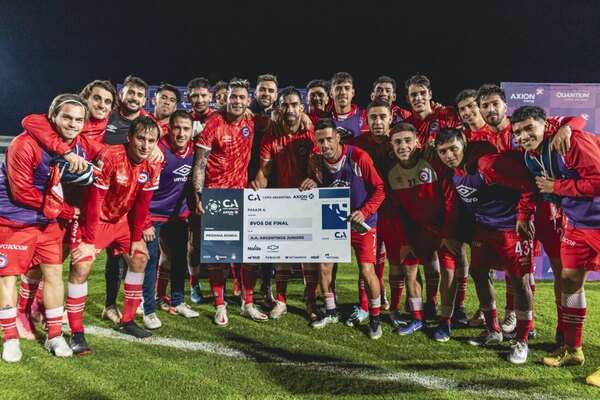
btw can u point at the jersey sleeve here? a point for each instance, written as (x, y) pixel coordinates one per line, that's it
(38, 126)
(372, 180)
(92, 147)
(21, 159)
(154, 179)
(450, 117)
(507, 171)
(451, 203)
(208, 135)
(93, 199)
(584, 157)
(139, 214)
(575, 123)
(266, 147)
(104, 177)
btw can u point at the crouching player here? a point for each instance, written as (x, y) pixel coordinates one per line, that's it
(573, 183)
(30, 233)
(425, 195)
(499, 192)
(113, 215)
(349, 166)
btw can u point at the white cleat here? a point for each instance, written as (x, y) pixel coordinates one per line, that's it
(151, 321)
(221, 316)
(11, 351)
(185, 310)
(278, 311)
(58, 345)
(509, 323)
(248, 310)
(518, 352)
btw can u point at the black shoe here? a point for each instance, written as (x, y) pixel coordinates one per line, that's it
(430, 311)
(459, 317)
(79, 344)
(510, 335)
(132, 329)
(532, 334)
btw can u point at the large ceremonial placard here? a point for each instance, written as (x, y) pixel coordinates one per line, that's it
(275, 225)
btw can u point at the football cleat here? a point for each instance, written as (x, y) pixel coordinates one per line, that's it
(313, 312)
(385, 304)
(112, 313)
(375, 333)
(164, 303)
(278, 311)
(79, 344)
(221, 316)
(186, 311)
(248, 310)
(196, 294)
(564, 356)
(397, 322)
(485, 338)
(357, 317)
(140, 309)
(509, 323)
(26, 327)
(326, 320)
(58, 345)
(151, 321)
(413, 326)
(11, 351)
(518, 352)
(132, 329)
(459, 317)
(442, 333)
(478, 319)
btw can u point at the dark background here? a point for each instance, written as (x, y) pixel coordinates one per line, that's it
(53, 47)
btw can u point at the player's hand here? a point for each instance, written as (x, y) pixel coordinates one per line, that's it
(436, 106)
(199, 209)
(357, 217)
(248, 114)
(454, 246)
(561, 140)
(149, 234)
(305, 122)
(83, 250)
(307, 184)
(156, 155)
(525, 229)
(546, 185)
(76, 213)
(138, 247)
(428, 151)
(406, 251)
(77, 164)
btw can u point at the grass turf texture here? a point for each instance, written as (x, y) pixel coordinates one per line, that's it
(288, 359)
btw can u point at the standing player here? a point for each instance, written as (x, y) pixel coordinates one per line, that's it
(265, 95)
(29, 230)
(289, 153)
(348, 117)
(571, 182)
(222, 156)
(165, 103)
(384, 89)
(167, 220)
(317, 98)
(426, 226)
(113, 215)
(498, 191)
(349, 166)
(200, 96)
(219, 94)
(132, 99)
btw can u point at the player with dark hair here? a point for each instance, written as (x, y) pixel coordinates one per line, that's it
(317, 98)
(200, 96)
(289, 154)
(113, 215)
(499, 192)
(348, 117)
(219, 94)
(349, 166)
(384, 89)
(572, 183)
(265, 94)
(165, 103)
(33, 215)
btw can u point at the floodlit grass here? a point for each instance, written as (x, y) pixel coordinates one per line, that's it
(288, 359)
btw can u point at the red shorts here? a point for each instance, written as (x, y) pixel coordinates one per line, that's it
(495, 249)
(580, 248)
(116, 236)
(388, 230)
(548, 229)
(22, 247)
(365, 246)
(426, 241)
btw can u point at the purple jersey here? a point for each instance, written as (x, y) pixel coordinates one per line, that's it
(350, 126)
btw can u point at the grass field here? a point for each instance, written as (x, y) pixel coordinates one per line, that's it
(194, 359)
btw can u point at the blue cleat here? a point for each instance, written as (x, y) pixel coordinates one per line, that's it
(196, 294)
(414, 326)
(357, 317)
(442, 333)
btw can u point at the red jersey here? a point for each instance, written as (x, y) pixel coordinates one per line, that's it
(290, 154)
(230, 146)
(428, 128)
(399, 114)
(199, 121)
(164, 126)
(316, 115)
(382, 153)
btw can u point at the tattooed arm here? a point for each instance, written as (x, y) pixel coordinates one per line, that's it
(199, 175)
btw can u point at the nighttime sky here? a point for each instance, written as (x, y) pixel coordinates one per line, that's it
(46, 50)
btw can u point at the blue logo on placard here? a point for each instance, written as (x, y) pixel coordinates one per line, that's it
(334, 216)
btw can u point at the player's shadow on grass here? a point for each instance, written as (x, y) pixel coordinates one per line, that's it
(305, 373)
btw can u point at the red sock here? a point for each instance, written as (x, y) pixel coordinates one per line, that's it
(574, 310)
(194, 273)
(216, 280)
(54, 321)
(491, 317)
(461, 291)
(375, 306)
(163, 278)
(8, 321)
(510, 295)
(248, 282)
(133, 295)
(380, 266)
(76, 295)
(27, 294)
(416, 307)
(362, 295)
(38, 294)
(396, 287)
(432, 283)
(281, 281)
(312, 283)
(524, 324)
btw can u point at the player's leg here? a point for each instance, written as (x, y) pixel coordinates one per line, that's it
(11, 351)
(114, 270)
(311, 277)
(267, 271)
(163, 274)
(413, 294)
(28, 289)
(249, 277)
(396, 280)
(77, 290)
(325, 281)
(431, 268)
(461, 275)
(217, 282)
(380, 271)
(448, 286)
(193, 254)
(150, 319)
(282, 276)
(132, 286)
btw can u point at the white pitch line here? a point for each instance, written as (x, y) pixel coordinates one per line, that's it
(424, 381)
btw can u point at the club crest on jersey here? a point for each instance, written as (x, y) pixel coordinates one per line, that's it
(434, 127)
(425, 175)
(302, 150)
(3, 260)
(144, 177)
(246, 132)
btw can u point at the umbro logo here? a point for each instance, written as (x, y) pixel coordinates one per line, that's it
(184, 170)
(465, 191)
